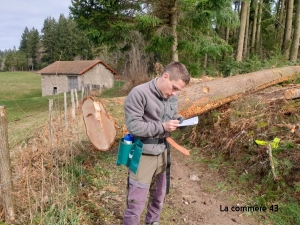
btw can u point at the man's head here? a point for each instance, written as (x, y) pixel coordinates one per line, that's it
(173, 79)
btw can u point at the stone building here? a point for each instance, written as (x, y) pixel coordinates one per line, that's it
(62, 76)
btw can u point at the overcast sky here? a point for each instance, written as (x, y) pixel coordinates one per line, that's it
(15, 15)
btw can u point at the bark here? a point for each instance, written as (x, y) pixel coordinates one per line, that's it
(244, 12)
(100, 126)
(246, 34)
(258, 42)
(174, 18)
(288, 29)
(292, 94)
(200, 98)
(279, 27)
(254, 27)
(281, 17)
(296, 35)
(5, 169)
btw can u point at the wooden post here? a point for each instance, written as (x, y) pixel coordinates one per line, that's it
(6, 185)
(82, 93)
(73, 105)
(76, 97)
(50, 122)
(66, 109)
(271, 161)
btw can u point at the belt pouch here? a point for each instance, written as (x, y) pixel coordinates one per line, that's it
(130, 154)
(135, 155)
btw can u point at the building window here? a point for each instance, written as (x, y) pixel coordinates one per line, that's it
(72, 83)
(54, 90)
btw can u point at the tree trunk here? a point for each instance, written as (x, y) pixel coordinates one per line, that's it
(100, 126)
(174, 18)
(5, 169)
(199, 98)
(258, 42)
(296, 35)
(288, 29)
(279, 27)
(246, 34)
(244, 12)
(254, 27)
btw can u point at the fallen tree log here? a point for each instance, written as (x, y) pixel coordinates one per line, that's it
(194, 100)
(200, 98)
(100, 126)
(292, 94)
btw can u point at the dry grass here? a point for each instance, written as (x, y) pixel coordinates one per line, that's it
(37, 163)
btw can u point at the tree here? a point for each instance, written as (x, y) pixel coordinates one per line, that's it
(288, 29)
(62, 40)
(244, 13)
(165, 24)
(105, 21)
(24, 40)
(10, 63)
(29, 45)
(296, 35)
(254, 26)
(258, 36)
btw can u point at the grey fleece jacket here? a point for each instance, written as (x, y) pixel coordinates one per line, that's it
(145, 111)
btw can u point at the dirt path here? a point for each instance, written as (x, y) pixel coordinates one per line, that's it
(198, 194)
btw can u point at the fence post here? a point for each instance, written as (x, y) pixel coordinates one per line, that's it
(50, 122)
(76, 97)
(6, 185)
(82, 93)
(73, 104)
(66, 109)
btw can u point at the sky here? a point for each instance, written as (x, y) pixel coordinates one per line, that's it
(15, 15)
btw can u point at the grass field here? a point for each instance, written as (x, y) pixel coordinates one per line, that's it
(21, 93)
(26, 109)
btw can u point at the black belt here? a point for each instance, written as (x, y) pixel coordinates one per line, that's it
(153, 141)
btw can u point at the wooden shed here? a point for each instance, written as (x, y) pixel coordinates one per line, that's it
(62, 76)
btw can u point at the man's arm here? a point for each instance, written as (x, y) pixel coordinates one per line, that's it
(134, 110)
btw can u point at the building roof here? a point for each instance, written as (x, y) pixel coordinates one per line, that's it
(72, 67)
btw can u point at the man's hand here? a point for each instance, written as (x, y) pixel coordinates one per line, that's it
(171, 125)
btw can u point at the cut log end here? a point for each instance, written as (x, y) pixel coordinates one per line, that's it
(100, 127)
(292, 94)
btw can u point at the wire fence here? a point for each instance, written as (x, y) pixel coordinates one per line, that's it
(40, 144)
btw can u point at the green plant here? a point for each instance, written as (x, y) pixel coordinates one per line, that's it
(288, 213)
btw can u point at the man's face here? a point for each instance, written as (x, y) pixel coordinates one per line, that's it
(171, 87)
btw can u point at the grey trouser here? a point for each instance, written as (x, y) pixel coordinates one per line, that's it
(150, 177)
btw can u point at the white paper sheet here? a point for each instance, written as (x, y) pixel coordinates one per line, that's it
(189, 122)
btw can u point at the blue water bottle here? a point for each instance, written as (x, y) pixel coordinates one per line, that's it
(128, 138)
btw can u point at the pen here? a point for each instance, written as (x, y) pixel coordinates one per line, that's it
(168, 116)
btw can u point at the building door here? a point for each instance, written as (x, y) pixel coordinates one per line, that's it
(72, 83)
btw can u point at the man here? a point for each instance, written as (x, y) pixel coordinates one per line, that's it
(151, 114)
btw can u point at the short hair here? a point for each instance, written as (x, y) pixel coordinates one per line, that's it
(176, 71)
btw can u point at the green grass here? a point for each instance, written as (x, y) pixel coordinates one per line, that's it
(113, 92)
(21, 93)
